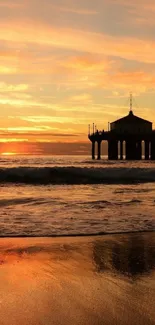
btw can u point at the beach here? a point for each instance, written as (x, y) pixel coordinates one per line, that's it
(78, 280)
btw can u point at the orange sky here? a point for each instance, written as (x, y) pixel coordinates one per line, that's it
(66, 63)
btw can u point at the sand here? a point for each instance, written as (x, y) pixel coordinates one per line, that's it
(81, 280)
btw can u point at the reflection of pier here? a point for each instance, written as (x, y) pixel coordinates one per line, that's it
(132, 256)
(125, 138)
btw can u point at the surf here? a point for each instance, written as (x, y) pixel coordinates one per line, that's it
(76, 175)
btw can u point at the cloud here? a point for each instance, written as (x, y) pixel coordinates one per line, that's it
(83, 98)
(29, 135)
(7, 70)
(11, 4)
(136, 12)
(66, 38)
(18, 102)
(10, 140)
(134, 77)
(78, 11)
(22, 129)
(88, 63)
(13, 88)
(53, 119)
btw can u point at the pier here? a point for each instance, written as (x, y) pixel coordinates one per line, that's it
(126, 137)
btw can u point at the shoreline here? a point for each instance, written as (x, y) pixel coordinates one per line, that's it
(100, 234)
(89, 280)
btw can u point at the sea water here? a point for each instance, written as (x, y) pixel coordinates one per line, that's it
(54, 196)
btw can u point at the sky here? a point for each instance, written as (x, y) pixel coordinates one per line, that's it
(65, 64)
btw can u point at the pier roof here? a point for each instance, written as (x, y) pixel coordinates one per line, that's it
(131, 118)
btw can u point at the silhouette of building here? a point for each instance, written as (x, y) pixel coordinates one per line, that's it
(125, 137)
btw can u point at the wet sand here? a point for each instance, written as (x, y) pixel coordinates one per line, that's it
(86, 281)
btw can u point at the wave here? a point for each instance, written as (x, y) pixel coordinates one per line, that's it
(104, 203)
(25, 201)
(79, 234)
(76, 175)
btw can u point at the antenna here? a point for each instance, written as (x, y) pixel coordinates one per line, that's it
(131, 100)
(93, 128)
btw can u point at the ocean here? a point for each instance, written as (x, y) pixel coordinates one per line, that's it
(72, 195)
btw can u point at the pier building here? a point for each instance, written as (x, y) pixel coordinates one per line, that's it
(126, 137)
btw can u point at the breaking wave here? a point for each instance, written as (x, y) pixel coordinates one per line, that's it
(76, 175)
